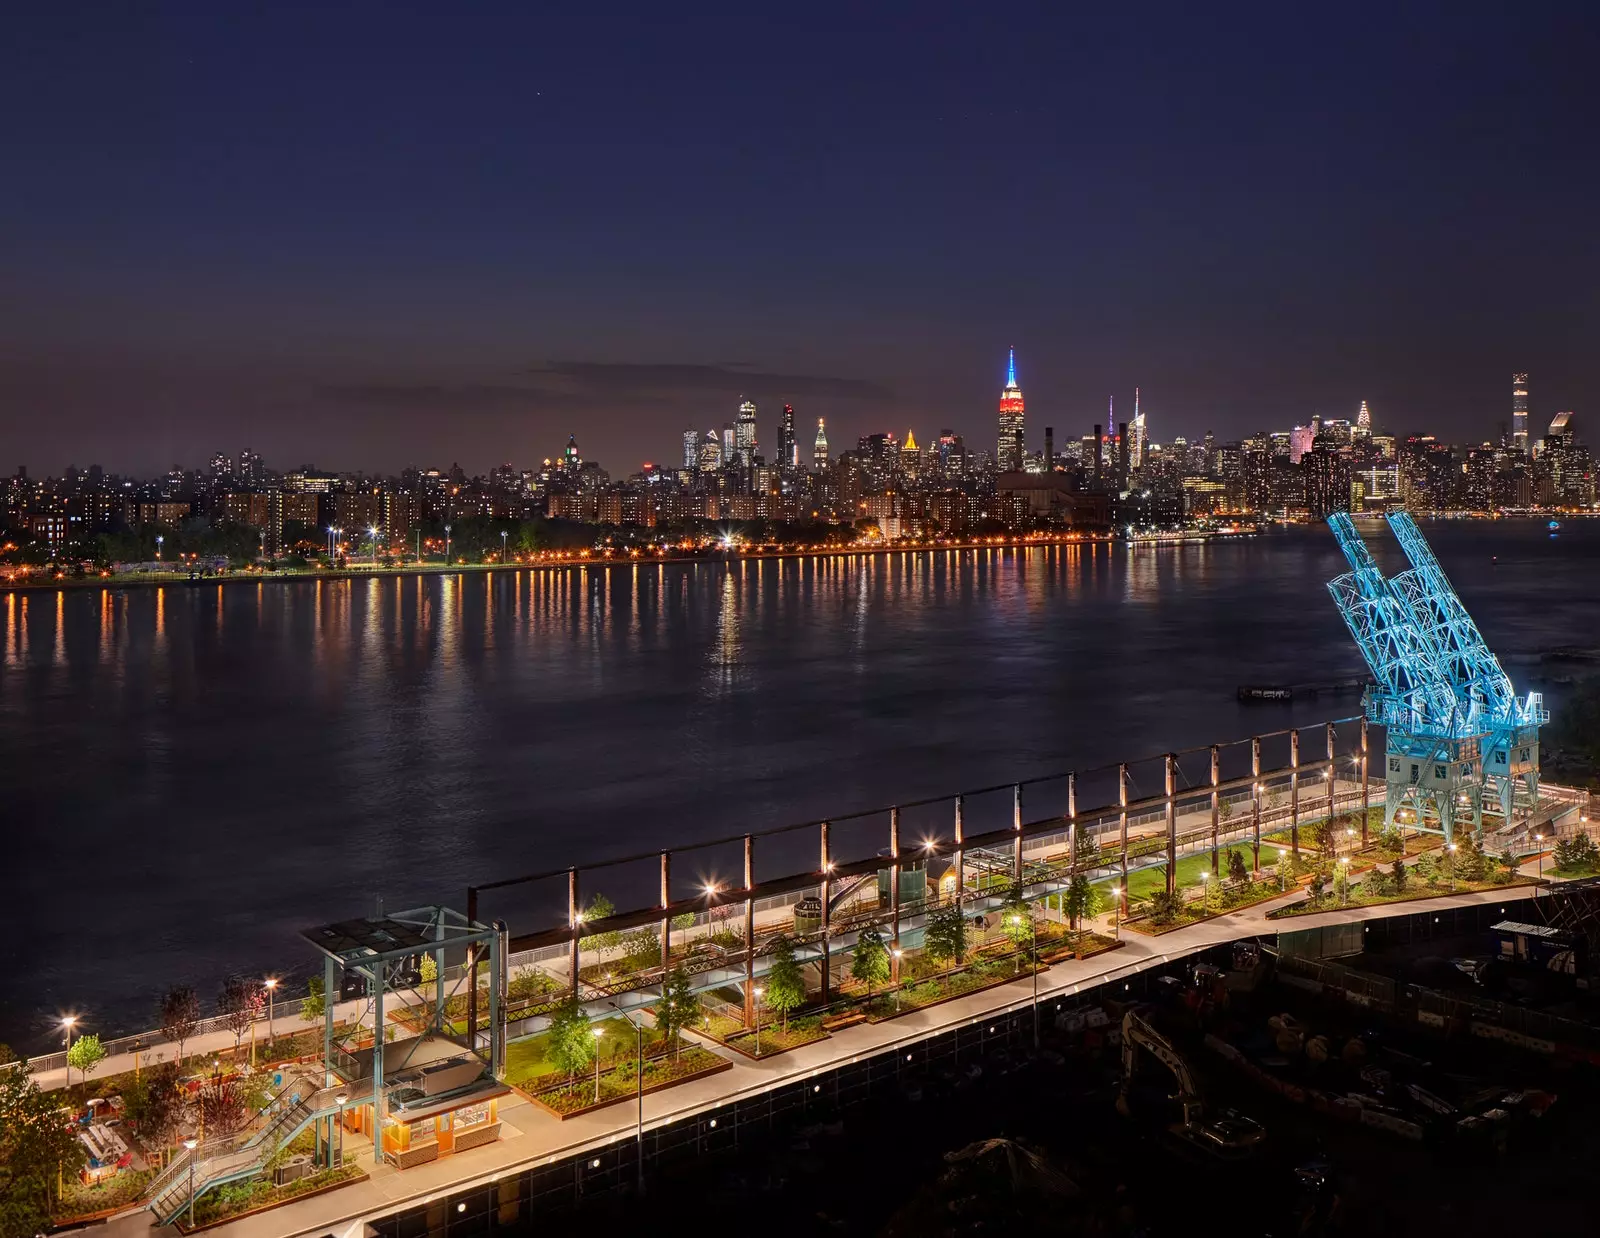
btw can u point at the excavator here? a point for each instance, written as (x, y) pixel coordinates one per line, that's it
(1230, 1135)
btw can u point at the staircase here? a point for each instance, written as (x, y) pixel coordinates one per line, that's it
(245, 1154)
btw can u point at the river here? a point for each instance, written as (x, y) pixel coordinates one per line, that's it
(191, 775)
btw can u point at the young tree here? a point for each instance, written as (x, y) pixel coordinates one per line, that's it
(598, 909)
(786, 986)
(180, 1013)
(870, 965)
(1238, 869)
(315, 1004)
(240, 1006)
(36, 1148)
(946, 935)
(1397, 877)
(86, 1053)
(572, 1040)
(220, 1106)
(677, 1009)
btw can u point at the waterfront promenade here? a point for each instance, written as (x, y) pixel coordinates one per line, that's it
(532, 1137)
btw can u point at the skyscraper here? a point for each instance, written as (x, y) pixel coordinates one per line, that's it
(788, 450)
(1519, 413)
(1136, 429)
(744, 434)
(1012, 436)
(819, 449)
(691, 449)
(1364, 421)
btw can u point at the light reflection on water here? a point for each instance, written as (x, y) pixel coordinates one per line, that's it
(193, 774)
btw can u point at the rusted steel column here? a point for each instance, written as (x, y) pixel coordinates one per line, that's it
(472, 986)
(575, 923)
(1122, 799)
(1294, 793)
(1365, 805)
(1255, 797)
(894, 890)
(1216, 806)
(1016, 827)
(1072, 823)
(666, 920)
(749, 930)
(961, 854)
(1331, 779)
(825, 865)
(1172, 824)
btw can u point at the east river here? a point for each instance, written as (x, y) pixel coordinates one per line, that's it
(191, 775)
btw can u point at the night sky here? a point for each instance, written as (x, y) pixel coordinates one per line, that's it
(366, 237)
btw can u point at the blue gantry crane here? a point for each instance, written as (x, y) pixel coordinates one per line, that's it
(1455, 728)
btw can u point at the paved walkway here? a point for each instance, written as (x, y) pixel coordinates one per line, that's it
(538, 1137)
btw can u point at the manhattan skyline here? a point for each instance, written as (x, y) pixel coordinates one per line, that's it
(381, 237)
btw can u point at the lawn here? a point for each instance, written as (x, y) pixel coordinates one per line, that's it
(922, 993)
(1144, 882)
(527, 1066)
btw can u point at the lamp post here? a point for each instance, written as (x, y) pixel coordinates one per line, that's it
(1283, 878)
(897, 953)
(1539, 838)
(66, 1025)
(1452, 850)
(1033, 962)
(447, 545)
(372, 532)
(271, 986)
(1344, 863)
(159, 540)
(758, 991)
(1205, 889)
(502, 545)
(638, 1156)
(343, 1100)
(598, 1033)
(191, 1145)
(1116, 912)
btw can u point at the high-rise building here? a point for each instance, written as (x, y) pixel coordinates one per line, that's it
(788, 450)
(1136, 429)
(910, 455)
(1363, 427)
(1012, 442)
(744, 434)
(1519, 413)
(711, 449)
(691, 450)
(819, 449)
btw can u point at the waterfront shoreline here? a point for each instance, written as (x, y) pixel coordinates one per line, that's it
(246, 576)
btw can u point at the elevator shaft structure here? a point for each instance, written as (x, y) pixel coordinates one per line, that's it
(1455, 727)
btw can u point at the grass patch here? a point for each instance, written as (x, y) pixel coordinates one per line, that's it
(528, 1067)
(1146, 881)
(1193, 912)
(919, 994)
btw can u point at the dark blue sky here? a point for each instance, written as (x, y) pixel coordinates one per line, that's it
(375, 236)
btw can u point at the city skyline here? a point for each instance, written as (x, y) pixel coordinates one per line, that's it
(203, 256)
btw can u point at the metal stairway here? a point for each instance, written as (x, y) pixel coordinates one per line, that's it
(246, 1153)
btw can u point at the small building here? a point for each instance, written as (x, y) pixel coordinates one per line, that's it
(1542, 947)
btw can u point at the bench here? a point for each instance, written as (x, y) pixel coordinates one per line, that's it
(833, 1022)
(476, 1136)
(416, 1154)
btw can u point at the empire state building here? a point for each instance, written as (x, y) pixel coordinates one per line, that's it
(1011, 452)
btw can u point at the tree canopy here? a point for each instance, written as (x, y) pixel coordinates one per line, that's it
(786, 986)
(36, 1145)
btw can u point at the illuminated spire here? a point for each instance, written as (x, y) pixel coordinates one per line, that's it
(911, 441)
(1011, 369)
